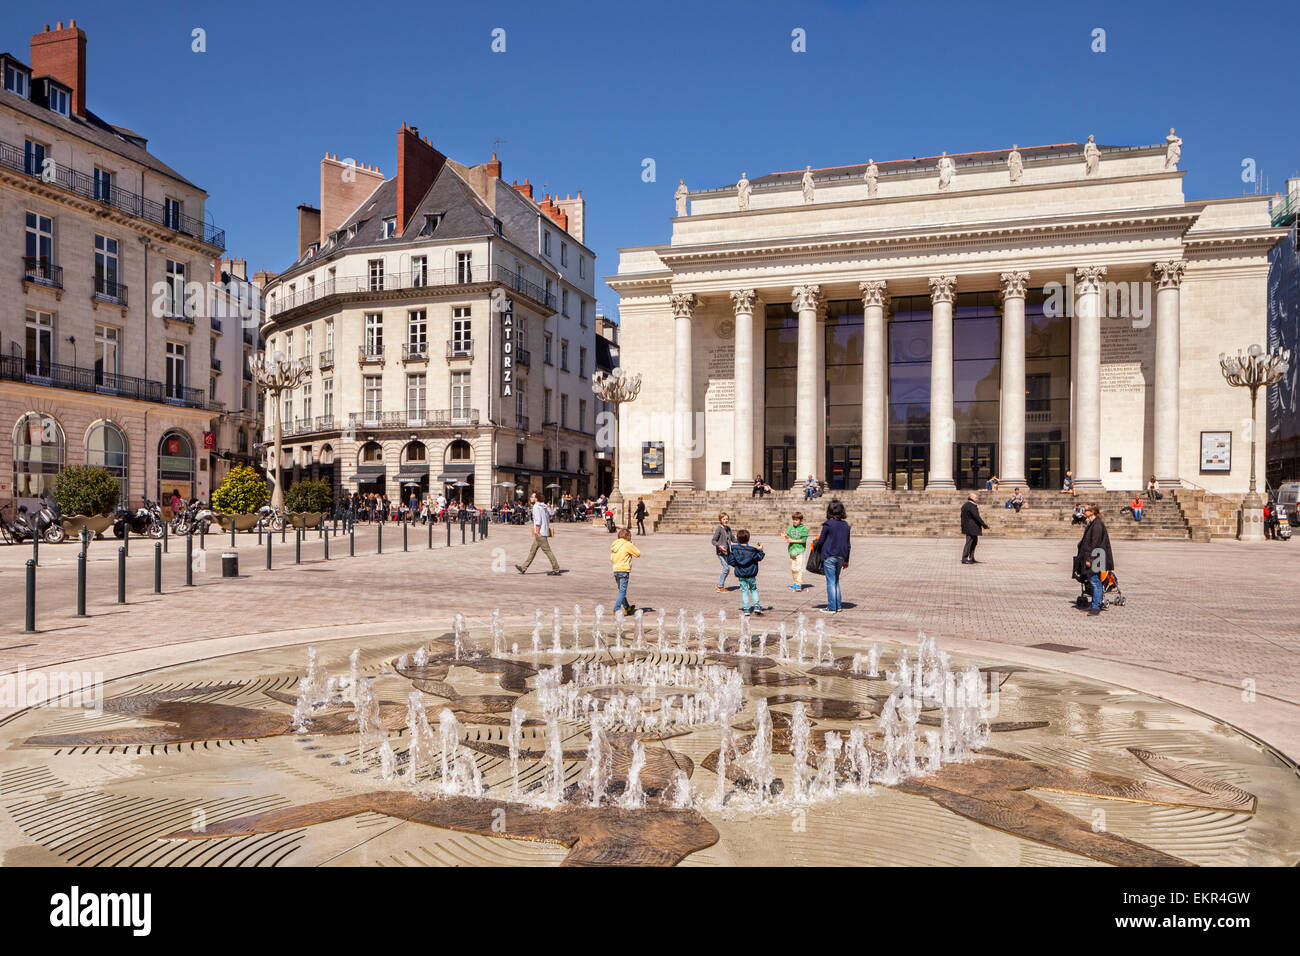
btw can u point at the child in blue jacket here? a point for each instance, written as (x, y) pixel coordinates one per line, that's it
(744, 557)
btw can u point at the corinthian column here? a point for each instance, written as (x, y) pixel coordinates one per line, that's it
(875, 299)
(1169, 277)
(742, 464)
(1011, 441)
(943, 430)
(1087, 381)
(809, 383)
(684, 437)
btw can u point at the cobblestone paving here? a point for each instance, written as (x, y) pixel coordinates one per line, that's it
(1211, 626)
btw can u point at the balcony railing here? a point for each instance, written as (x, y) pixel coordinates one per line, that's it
(415, 353)
(39, 269)
(433, 417)
(521, 422)
(523, 357)
(327, 359)
(110, 289)
(324, 422)
(370, 356)
(464, 348)
(216, 324)
(14, 368)
(248, 373)
(282, 301)
(250, 337)
(13, 158)
(216, 364)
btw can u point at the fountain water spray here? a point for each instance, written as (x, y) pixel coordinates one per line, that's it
(419, 753)
(577, 625)
(499, 635)
(458, 636)
(633, 796)
(639, 616)
(516, 731)
(659, 628)
(800, 735)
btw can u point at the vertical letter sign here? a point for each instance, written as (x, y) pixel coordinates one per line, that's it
(508, 349)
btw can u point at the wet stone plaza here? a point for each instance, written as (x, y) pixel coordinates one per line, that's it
(663, 738)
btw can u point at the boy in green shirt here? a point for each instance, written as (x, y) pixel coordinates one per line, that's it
(796, 538)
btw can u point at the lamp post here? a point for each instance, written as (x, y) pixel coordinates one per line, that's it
(617, 389)
(1254, 369)
(274, 375)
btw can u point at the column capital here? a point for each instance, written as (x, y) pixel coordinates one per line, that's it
(683, 304)
(874, 293)
(806, 297)
(1169, 274)
(1088, 278)
(942, 288)
(1013, 284)
(744, 300)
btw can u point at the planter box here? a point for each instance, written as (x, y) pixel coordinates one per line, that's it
(305, 519)
(242, 522)
(98, 524)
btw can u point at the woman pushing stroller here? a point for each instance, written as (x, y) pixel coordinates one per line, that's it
(1093, 561)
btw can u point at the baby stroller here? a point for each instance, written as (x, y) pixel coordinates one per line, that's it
(1111, 595)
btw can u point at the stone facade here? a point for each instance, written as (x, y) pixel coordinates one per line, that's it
(1155, 287)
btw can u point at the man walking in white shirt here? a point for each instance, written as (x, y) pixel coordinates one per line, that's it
(541, 537)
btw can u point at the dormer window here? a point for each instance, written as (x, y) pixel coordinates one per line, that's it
(497, 225)
(59, 101)
(431, 223)
(390, 228)
(17, 80)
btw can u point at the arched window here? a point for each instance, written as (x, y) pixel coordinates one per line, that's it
(459, 451)
(38, 455)
(327, 454)
(414, 451)
(106, 447)
(241, 442)
(175, 465)
(371, 453)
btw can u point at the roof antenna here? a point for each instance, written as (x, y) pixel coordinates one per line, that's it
(497, 142)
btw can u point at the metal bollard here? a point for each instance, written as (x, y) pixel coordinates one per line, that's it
(473, 530)
(284, 529)
(403, 534)
(189, 560)
(352, 541)
(157, 567)
(448, 524)
(268, 549)
(232, 531)
(36, 545)
(31, 596)
(430, 535)
(164, 541)
(381, 537)
(202, 535)
(81, 584)
(259, 533)
(126, 537)
(327, 547)
(297, 545)
(121, 575)
(462, 529)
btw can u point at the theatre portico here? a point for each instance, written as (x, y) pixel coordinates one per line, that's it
(931, 323)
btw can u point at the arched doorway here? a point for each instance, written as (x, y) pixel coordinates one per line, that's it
(175, 465)
(38, 457)
(371, 470)
(458, 472)
(413, 475)
(326, 463)
(106, 448)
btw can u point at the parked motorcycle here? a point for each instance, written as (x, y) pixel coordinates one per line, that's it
(146, 520)
(269, 518)
(45, 523)
(193, 517)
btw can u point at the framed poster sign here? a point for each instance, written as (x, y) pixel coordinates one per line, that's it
(1216, 451)
(652, 459)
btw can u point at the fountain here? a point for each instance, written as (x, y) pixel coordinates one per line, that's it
(800, 734)
(516, 731)
(634, 796)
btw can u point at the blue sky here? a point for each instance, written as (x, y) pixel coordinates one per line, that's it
(585, 92)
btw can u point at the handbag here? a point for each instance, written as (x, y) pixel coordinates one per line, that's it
(815, 564)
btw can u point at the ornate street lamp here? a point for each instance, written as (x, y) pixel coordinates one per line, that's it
(1254, 369)
(274, 376)
(616, 389)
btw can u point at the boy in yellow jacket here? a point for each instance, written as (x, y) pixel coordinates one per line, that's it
(621, 553)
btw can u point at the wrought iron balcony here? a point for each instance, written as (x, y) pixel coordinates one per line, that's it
(324, 422)
(250, 337)
(523, 357)
(110, 289)
(415, 353)
(84, 185)
(463, 348)
(431, 418)
(216, 324)
(41, 270)
(370, 356)
(521, 422)
(15, 368)
(216, 364)
(327, 359)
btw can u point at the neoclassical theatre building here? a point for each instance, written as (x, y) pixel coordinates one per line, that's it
(930, 323)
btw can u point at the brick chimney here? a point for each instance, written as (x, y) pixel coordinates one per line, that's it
(418, 164)
(308, 227)
(494, 167)
(343, 187)
(525, 190)
(575, 211)
(61, 53)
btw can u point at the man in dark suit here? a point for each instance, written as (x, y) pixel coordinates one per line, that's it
(971, 526)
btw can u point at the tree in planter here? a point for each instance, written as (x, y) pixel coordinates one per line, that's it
(241, 492)
(309, 495)
(87, 490)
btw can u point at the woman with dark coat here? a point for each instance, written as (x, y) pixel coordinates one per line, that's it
(1093, 557)
(835, 547)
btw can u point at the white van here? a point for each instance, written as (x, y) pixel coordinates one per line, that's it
(1288, 496)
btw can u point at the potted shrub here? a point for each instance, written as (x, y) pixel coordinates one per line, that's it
(87, 495)
(240, 494)
(308, 501)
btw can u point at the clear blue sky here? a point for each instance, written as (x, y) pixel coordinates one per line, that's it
(585, 92)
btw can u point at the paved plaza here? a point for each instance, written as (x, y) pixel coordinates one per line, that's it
(1191, 687)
